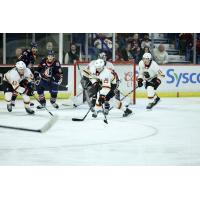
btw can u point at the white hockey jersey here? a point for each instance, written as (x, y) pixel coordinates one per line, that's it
(14, 78)
(90, 70)
(153, 70)
(107, 78)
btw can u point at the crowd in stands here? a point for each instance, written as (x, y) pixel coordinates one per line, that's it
(131, 46)
(128, 47)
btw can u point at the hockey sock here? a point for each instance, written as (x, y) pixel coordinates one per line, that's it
(14, 96)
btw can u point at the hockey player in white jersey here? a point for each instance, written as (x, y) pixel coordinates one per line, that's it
(90, 80)
(19, 79)
(115, 92)
(150, 73)
(86, 82)
(108, 80)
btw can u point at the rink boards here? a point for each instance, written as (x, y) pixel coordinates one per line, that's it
(180, 80)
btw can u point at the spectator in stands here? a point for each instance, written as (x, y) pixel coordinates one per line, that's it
(160, 55)
(49, 46)
(102, 43)
(18, 52)
(127, 53)
(198, 50)
(121, 38)
(146, 42)
(185, 41)
(136, 50)
(146, 49)
(135, 46)
(72, 55)
(117, 52)
(135, 41)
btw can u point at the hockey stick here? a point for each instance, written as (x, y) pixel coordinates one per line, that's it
(129, 93)
(82, 119)
(42, 105)
(126, 96)
(75, 105)
(86, 92)
(45, 128)
(55, 83)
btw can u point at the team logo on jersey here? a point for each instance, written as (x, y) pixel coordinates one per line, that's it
(14, 83)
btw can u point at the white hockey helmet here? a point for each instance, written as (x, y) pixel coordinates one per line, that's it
(20, 65)
(99, 64)
(147, 56)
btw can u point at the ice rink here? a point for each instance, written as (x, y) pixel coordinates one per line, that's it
(167, 135)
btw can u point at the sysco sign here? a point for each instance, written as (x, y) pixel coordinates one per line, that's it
(184, 78)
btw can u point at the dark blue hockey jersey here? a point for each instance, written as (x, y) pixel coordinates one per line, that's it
(52, 71)
(27, 57)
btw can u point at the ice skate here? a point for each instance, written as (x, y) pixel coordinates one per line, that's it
(151, 105)
(156, 100)
(29, 111)
(41, 106)
(127, 112)
(94, 114)
(13, 103)
(55, 105)
(9, 107)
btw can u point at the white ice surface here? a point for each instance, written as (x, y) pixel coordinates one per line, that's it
(167, 135)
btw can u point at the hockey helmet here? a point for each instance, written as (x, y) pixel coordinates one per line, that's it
(99, 64)
(147, 56)
(34, 45)
(51, 53)
(103, 56)
(21, 66)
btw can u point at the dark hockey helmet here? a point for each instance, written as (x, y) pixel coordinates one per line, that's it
(34, 44)
(51, 53)
(102, 55)
(34, 47)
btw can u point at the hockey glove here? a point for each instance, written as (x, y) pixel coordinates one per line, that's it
(24, 83)
(146, 75)
(36, 75)
(101, 99)
(140, 82)
(60, 81)
(30, 89)
(37, 78)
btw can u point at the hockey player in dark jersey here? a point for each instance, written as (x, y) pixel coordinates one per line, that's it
(28, 56)
(48, 75)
